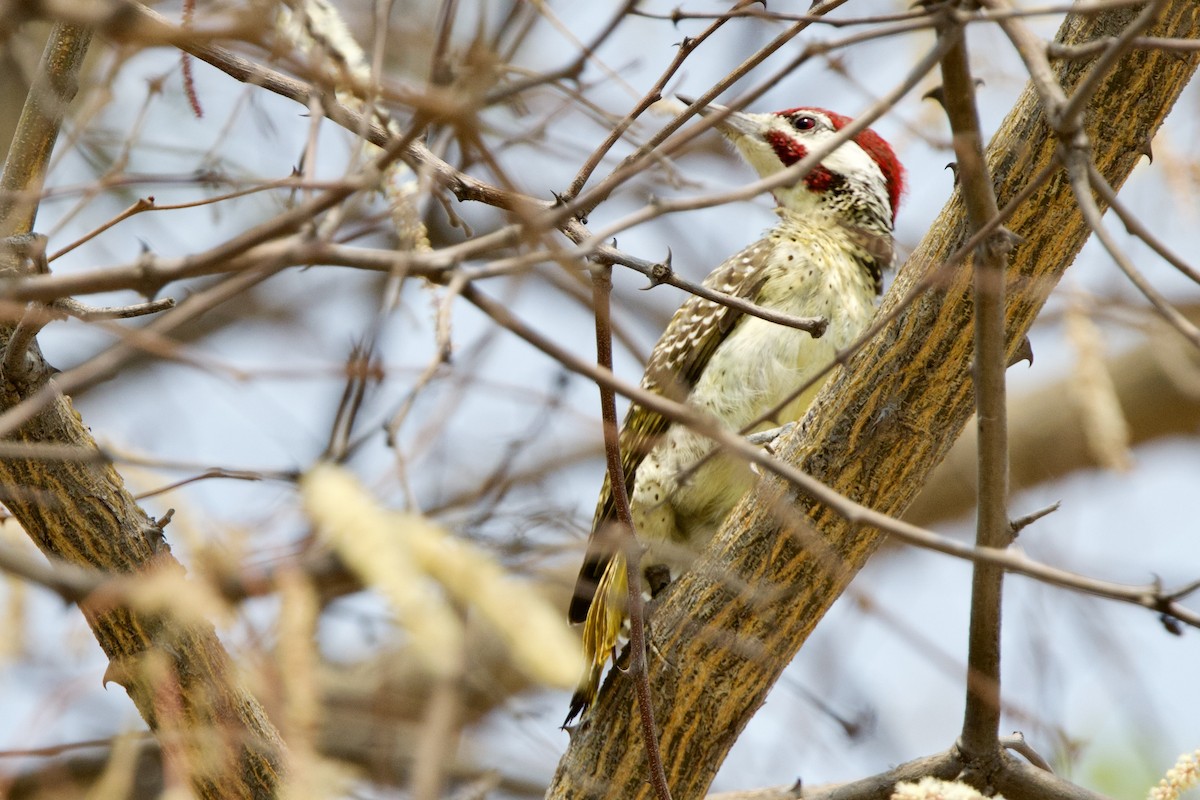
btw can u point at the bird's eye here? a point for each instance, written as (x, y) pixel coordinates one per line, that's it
(803, 122)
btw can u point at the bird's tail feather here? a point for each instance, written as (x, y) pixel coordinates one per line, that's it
(600, 631)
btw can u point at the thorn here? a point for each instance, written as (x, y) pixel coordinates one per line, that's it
(1020, 523)
(1016, 742)
(1147, 149)
(1024, 353)
(119, 671)
(953, 167)
(937, 93)
(659, 273)
(768, 438)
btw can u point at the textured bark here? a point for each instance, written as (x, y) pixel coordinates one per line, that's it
(178, 675)
(215, 734)
(725, 631)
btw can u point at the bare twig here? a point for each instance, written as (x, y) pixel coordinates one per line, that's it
(568, 71)
(1135, 226)
(1067, 117)
(601, 291)
(102, 365)
(1079, 169)
(979, 739)
(86, 313)
(686, 47)
(72, 583)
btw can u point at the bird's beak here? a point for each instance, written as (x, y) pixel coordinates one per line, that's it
(734, 124)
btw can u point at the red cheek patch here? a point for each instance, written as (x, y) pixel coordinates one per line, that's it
(787, 149)
(822, 180)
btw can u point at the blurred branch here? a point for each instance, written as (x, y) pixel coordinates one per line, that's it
(54, 86)
(80, 512)
(1157, 384)
(570, 71)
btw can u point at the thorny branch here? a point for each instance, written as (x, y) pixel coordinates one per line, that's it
(602, 289)
(981, 723)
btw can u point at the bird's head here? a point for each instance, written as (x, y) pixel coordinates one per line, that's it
(861, 178)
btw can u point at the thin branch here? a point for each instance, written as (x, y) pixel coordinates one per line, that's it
(1057, 51)
(981, 722)
(662, 272)
(1032, 51)
(601, 292)
(1068, 116)
(1135, 226)
(104, 364)
(1079, 169)
(567, 71)
(86, 313)
(1079, 7)
(70, 582)
(685, 49)
(439, 63)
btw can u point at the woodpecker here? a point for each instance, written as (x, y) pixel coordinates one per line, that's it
(824, 257)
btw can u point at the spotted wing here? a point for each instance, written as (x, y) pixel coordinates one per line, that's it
(675, 364)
